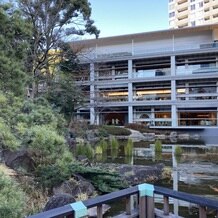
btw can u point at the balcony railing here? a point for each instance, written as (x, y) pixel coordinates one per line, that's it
(144, 205)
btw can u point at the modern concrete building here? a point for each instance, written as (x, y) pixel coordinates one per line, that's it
(184, 13)
(162, 79)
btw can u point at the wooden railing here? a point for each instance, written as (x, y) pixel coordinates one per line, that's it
(144, 205)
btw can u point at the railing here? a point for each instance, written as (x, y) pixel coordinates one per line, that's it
(144, 205)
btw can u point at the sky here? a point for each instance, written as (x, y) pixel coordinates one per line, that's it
(119, 17)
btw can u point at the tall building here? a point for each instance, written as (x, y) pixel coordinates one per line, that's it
(164, 79)
(184, 13)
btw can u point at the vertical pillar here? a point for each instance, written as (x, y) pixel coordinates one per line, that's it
(92, 94)
(174, 117)
(130, 94)
(186, 90)
(152, 123)
(113, 73)
(173, 65)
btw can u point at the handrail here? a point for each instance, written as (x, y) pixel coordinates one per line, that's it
(125, 193)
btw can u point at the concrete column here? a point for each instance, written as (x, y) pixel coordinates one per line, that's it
(130, 92)
(174, 117)
(173, 65)
(92, 94)
(186, 90)
(130, 114)
(152, 117)
(113, 72)
(129, 69)
(173, 90)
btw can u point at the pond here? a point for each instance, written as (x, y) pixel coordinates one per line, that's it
(195, 172)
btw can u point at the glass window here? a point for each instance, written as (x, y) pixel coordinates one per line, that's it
(192, 7)
(200, 4)
(172, 14)
(192, 23)
(192, 0)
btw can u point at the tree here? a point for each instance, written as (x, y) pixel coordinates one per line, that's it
(13, 49)
(52, 21)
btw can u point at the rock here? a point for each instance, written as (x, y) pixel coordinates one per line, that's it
(58, 200)
(75, 187)
(195, 137)
(19, 159)
(80, 140)
(149, 136)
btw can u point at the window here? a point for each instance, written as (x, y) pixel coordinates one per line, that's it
(192, 23)
(192, 7)
(200, 4)
(172, 14)
(192, 0)
(171, 1)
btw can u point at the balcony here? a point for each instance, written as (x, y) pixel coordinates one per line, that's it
(183, 22)
(151, 73)
(182, 5)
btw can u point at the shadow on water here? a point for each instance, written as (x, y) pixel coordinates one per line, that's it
(195, 172)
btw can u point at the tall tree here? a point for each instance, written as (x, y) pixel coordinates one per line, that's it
(13, 49)
(52, 21)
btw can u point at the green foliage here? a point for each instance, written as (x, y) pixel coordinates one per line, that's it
(13, 49)
(85, 149)
(98, 150)
(128, 148)
(104, 145)
(7, 138)
(104, 180)
(114, 144)
(115, 130)
(12, 199)
(158, 146)
(178, 151)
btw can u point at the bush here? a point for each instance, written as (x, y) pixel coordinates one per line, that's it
(158, 146)
(114, 130)
(98, 150)
(128, 148)
(178, 151)
(85, 150)
(12, 198)
(104, 145)
(114, 144)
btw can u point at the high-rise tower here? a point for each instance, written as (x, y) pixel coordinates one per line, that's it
(184, 13)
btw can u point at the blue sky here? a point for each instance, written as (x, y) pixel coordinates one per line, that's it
(119, 17)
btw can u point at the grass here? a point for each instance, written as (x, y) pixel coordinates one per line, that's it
(128, 148)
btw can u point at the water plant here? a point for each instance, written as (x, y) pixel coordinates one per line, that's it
(158, 146)
(104, 145)
(114, 144)
(128, 148)
(85, 149)
(98, 150)
(178, 151)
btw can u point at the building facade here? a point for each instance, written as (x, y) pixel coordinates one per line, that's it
(184, 13)
(162, 79)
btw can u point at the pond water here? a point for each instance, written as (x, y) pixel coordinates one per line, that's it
(195, 172)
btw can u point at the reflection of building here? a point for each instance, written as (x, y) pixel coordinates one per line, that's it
(166, 78)
(184, 13)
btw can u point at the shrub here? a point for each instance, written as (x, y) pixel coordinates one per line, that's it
(85, 150)
(128, 148)
(104, 145)
(178, 151)
(98, 150)
(158, 146)
(114, 144)
(12, 198)
(114, 130)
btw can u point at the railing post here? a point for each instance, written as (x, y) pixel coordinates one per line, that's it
(128, 205)
(202, 212)
(142, 207)
(166, 207)
(150, 207)
(99, 211)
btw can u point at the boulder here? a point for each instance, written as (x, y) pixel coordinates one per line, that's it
(75, 187)
(18, 160)
(58, 200)
(184, 136)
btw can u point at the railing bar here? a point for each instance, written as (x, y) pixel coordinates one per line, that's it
(128, 205)
(186, 197)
